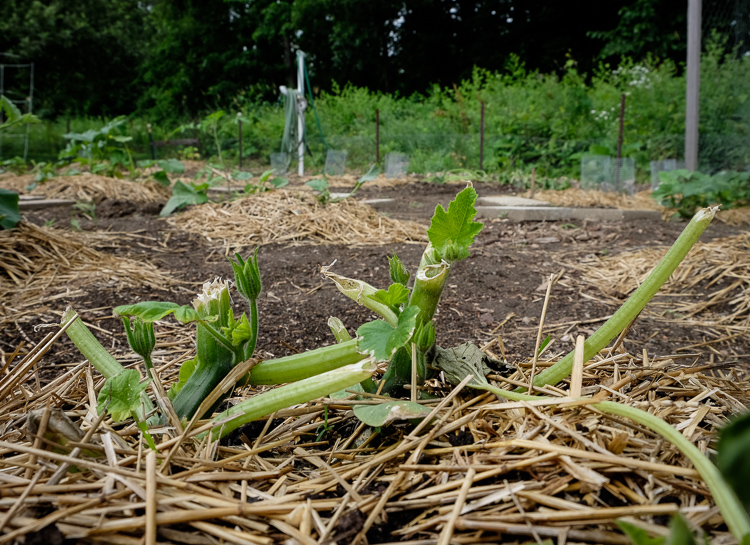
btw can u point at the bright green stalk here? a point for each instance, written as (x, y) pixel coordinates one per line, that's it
(726, 500)
(91, 348)
(339, 330)
(634, 305)
(285, 396)
(97, 355)
(428, 287)
(306, 364)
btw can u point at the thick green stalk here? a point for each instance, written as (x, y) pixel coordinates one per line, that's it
(634, 305)
(291, 394)
(726, 500)
(306, 364)
(98, 356)
(428, 287)
(91, 348)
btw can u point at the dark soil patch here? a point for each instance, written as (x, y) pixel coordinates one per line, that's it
(501, 283)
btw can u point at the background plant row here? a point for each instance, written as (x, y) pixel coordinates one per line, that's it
(531, 120)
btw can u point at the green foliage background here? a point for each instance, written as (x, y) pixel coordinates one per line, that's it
(551, 86)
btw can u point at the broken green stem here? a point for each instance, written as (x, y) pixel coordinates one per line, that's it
(428, 287)
(306, 364)
(89, 346)
(291, 394)
(726, 500)
(635, 304)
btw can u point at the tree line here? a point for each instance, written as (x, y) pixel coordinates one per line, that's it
(174, 59)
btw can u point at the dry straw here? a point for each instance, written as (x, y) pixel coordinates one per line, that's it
(44, 265)
(296, 218)
(89, 187)
(710, 289)
(481, 470)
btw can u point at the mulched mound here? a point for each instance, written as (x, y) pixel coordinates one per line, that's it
(481, 471)
(600, 199)
(40, 265)
(297, 218)
(89, 187)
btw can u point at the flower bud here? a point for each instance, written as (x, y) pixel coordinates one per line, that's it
(399, 273)
(247, 277)
(141, 338)
(424, 336)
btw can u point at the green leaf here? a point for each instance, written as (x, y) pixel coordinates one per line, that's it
(186, 371)
(396, 295)
(121, 395)
(381, 340)
(638, 535)
(452, 232)
(241, 331)
(121, 139)
(732, 458)
(318, 185)
(171, 165)
(279, 182)
(161, 177)
(9, 211)
(384, 413)
(679, 532)
(12, 113)
(150, 311)
(183, 195)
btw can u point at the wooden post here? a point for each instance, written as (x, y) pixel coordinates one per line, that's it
(693, 83)
(151, 142)
(377, 135)
(239, 124)
(481, 135)
(622, 126)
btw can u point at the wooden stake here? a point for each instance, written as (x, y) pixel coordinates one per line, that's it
(150, 498)
(576, 377)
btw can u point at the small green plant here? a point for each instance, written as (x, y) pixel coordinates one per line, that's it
(167, 166)
(16, 165)
(265, 180)
(104, 151)
(184, 195)
(88, 209)
(189, 153)
(10, 214)
(686, 191)
(323, 192)
(13, 115)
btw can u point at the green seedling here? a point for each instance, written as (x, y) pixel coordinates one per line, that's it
(184, 195)
(10, 214)
(265, 180)
(686, 191)
(13, 115)
(323, 192)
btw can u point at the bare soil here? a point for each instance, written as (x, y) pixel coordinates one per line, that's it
(498, 291)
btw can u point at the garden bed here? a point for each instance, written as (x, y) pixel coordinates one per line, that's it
(516, 470)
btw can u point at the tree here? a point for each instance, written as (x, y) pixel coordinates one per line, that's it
(86, 53)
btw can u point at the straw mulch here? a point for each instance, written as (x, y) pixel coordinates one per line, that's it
(711, 288)
(89, 187)
(591, 198)
(297, 218)
(481, 471)
(39, 266)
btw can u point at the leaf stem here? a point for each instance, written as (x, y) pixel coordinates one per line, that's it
(635, 303)
(726, 500)
(291, 394)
